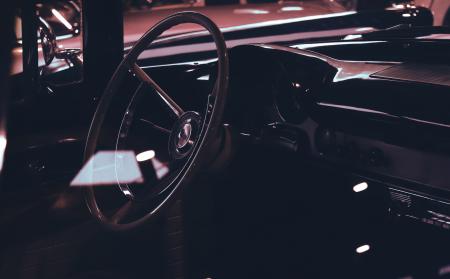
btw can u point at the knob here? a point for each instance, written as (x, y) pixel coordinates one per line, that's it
(375, 157)
(325, 140)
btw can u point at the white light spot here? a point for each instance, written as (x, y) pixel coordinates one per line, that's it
(399, 6)
(145, 156)
(352, 37)
(363, 249)
(250, 11)
(203, 77)
(291, 9)
(63, 20)
(3, 143)
(360, 187)
(365, 29)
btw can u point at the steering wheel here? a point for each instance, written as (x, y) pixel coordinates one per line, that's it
(168, 157)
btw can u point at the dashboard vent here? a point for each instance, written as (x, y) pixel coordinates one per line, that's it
(402, 198)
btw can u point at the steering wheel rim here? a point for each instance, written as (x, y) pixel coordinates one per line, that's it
(211, 124)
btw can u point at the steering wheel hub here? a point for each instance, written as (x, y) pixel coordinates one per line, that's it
(184, 135)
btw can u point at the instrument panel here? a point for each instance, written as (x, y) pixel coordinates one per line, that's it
(374, 122)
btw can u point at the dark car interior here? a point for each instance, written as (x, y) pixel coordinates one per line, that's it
(321, 157)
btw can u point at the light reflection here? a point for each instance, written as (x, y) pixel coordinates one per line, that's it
(3, 143)
(61, 18)
(364, 29)
(251, 11)
(161, 169)
(363, 249)
(352, 37)
(127, 192)
(296, 85)
(352, 108)
(402, 6)
(360, 187)
(145, 156)
(291, 9)
(109, 168)
(399, 6)
(312, 45)
(206, 77)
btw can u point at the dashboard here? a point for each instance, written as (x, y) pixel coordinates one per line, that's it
(384, 124)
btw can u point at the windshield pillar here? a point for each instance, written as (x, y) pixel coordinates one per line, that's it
(30, 46)
(102, 42)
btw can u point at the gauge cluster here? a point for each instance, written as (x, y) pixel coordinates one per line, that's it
(288, 95)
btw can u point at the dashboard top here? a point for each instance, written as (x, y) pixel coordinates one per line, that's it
(385, 118)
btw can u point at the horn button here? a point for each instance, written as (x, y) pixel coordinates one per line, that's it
(185, 133)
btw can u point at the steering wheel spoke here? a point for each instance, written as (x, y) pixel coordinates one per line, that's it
(154, 126)
(168, 101)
